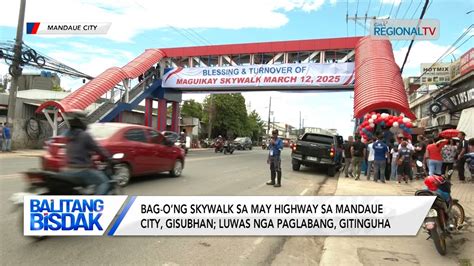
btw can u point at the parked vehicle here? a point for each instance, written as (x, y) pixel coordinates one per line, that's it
(444, 217)
(228, 147)
(243, 143)
(143, 150)
(315, 149)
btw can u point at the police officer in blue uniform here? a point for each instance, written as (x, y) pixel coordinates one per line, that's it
(274, 159)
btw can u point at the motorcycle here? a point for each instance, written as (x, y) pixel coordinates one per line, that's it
(444, 218)
(229, 147)
(41, 182)
(219, 146)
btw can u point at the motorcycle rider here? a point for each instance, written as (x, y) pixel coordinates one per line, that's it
(274, 159)
(80, 146)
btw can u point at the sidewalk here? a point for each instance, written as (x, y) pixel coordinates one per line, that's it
(24, 153)
(400, 250)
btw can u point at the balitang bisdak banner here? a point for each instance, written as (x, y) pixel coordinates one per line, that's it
(224, 215)
(334, 75)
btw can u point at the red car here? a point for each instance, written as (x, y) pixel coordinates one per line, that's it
(138, 150)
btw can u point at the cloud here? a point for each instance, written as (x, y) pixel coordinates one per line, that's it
(421, 52)
(130, 18)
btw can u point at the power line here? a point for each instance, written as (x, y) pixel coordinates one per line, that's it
(411, 43)
(398, 9)
(380, 9)
(450, 50)
(391, 9)
(365, 22)
(355, 25)
(347, 18)
(411, 3)
(416, 10)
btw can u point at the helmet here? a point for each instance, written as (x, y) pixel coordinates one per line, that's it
(77, 119)
(433, 182)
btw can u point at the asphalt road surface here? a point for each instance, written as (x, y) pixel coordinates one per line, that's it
(205, 173)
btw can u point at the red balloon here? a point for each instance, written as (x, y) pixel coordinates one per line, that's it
(400, 121)
(378, 120)
(409, 125)
(368, 128)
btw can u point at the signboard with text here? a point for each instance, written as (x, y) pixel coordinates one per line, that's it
(281, 75)
(435, 73)
(467, 61)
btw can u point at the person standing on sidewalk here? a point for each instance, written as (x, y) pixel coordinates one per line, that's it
(448, 152)
(358, 153)
(394, 165)
(370, 158)
(7, 138)
(380, 159)
(1, 137)
(274, 159)
(403, 160)
(462, 149)
(348, 157)
(433, 156)
(420, 150)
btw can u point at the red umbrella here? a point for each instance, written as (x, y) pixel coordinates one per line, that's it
(449, 133)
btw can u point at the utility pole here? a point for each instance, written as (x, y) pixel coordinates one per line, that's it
(15, 69)
(299, 128)
(269, 111)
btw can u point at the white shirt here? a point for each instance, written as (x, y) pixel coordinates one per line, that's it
(394, 154)
(370, 147)
(409, 146)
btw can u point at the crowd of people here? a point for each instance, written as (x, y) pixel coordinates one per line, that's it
(382, 159)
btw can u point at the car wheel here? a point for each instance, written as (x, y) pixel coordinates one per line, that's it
(177, 169)
(122, 173)
(296, 166)
(250, 148)
(331, 171)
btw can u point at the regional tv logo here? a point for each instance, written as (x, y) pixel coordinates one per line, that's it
(405, 29)
(70, 215)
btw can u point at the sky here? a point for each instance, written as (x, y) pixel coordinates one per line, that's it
(141, 24)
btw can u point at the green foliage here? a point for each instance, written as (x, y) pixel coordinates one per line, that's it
(229, 116)
(191, 108)
(2, 89)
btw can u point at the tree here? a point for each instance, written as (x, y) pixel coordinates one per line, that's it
(2, 89)
(191, 108)
(255, 125)
(229, 114)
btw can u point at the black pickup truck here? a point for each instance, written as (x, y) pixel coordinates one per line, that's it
(316, 149)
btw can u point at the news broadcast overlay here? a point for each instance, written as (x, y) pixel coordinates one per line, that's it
(277, 75)
(69, 215)
(224, 215)
(74, 28)
(405, 29)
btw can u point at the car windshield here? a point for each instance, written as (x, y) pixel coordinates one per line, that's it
(101, 131)
(318, 138)
(239, 139)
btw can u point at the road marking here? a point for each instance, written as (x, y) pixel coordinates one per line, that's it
(304, 191)
(251, 249)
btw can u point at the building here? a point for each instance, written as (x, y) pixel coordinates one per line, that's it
(43, 81)
(447, 103)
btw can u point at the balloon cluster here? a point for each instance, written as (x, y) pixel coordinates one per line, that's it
(397, 124)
